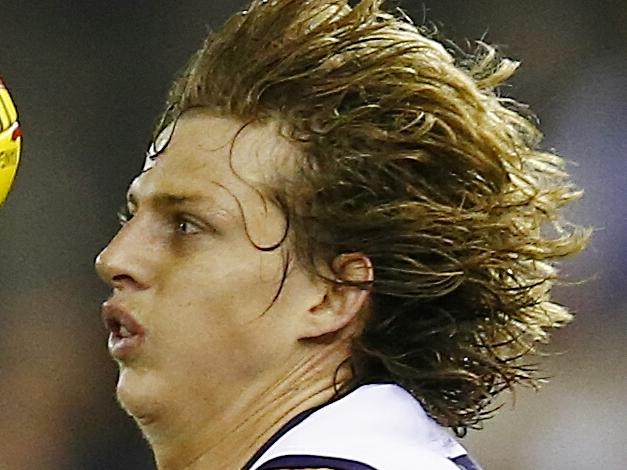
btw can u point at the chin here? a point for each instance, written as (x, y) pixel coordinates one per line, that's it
(138, 395)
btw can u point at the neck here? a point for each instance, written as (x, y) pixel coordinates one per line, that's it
(230, 438)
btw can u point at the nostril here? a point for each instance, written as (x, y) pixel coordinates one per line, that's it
(121, 281)
(122, 278)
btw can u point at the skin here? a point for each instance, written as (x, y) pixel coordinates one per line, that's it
(222, 367)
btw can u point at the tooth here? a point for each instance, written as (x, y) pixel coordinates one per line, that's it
(124, 333)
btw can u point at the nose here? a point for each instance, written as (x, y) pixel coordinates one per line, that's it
(121, 264)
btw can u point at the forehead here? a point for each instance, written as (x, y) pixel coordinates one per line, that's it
(206, 149)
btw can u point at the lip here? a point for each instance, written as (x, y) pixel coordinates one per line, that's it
(126, 334)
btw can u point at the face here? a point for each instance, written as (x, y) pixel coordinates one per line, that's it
(192, 305)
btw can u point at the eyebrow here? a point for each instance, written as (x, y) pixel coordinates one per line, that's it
(172, 200)
(163, 199)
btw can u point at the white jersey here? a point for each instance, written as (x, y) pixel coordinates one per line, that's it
(375, 427)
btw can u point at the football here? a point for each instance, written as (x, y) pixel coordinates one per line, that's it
(10, 142)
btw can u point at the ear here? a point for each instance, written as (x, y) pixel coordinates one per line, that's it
(341, 303)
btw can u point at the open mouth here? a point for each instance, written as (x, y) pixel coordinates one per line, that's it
(120, 329)
(125, 333)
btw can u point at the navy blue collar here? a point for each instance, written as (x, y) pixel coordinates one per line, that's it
(292, 423)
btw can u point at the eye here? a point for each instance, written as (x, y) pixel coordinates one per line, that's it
(184, 226)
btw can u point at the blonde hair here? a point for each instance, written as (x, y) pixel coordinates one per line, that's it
(411, 157)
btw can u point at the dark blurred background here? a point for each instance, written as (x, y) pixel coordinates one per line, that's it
(89, 79)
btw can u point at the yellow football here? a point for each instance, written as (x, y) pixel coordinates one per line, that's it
(10, 142)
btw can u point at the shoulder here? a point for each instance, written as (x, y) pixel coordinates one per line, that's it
(374, 427)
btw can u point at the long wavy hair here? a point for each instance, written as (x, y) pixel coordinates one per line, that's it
(411, 157)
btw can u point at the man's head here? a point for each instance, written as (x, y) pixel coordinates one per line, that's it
(369, 175)
(203, 266)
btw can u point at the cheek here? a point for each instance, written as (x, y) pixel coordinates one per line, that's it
(240, 280)
(212, 312)
(216, 343)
